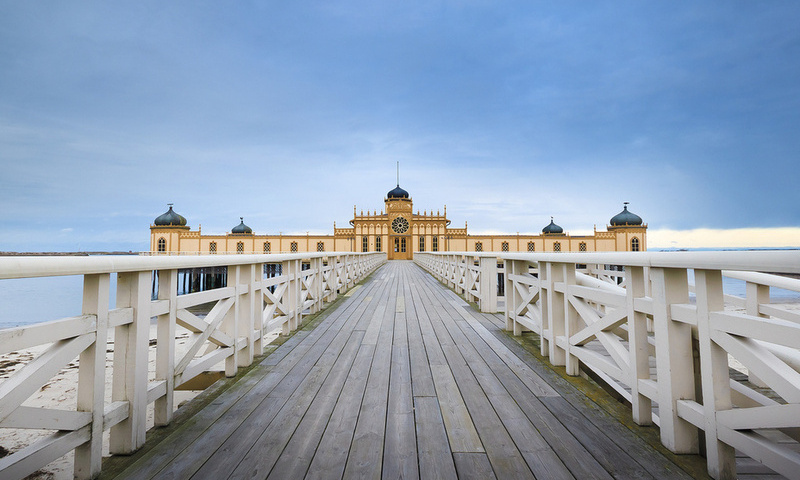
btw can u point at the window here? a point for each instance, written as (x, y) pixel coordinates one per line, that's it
(504, 246)
(267, 247)
(378, 243)
(212, 247)
(582, 246)
(240, 247)
(421, 244)
(162, 244)
(320, 246)
(396, 244)
(403, 244)
(478, 247)
(557, 247)
(365, 243)
(634, 244)
(293, 247)
(531, 247)
(435, 244)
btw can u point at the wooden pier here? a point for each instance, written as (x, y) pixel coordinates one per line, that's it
(402, 379)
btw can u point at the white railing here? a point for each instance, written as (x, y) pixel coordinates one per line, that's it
(618, 322)
(229, 336)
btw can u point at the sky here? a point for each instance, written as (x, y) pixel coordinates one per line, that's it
(290, 113)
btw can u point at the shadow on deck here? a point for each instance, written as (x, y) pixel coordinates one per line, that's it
(401, 378)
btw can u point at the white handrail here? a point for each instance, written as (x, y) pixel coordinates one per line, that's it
(231, 333)
(650, 316)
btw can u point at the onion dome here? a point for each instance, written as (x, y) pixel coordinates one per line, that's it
(552, 228)
(170, 219)
(625, 218)
(242, 228)
(397, 192)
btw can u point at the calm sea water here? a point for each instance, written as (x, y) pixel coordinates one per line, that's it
(33, 300)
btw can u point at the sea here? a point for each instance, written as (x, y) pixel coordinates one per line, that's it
(33, 300)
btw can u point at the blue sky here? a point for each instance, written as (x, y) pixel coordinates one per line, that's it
(289, 113)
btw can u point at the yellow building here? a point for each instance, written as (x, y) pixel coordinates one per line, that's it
(398, 231)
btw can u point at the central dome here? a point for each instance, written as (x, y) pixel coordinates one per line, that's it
(397, 192)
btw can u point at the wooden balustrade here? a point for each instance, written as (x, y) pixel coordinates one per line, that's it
(231, 334)
(617, 323)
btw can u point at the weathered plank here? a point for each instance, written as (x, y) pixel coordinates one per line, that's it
(435, 457)
(400, 446)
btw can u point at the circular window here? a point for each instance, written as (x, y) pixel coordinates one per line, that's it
(399, 225)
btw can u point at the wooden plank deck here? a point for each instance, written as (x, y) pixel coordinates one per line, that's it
(402, 380)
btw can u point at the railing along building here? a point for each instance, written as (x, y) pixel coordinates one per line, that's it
(616, 315)
(242, 309)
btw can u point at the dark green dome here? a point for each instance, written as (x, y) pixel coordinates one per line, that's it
(625, 217)
(242, 228)
(397, 192)
(552, 228)
(170, 219)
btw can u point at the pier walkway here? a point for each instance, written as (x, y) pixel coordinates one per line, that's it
(403, 379)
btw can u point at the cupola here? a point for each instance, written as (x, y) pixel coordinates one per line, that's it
(552, 228)
(170, 219)
(241, 229)
(397, 192)
(626, 218)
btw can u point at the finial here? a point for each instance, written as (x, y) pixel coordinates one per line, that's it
(170, 205)
(241, 219)
(398, 173)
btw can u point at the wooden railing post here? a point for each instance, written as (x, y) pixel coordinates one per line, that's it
(91, 376)
(571, 319)
(544, 291)
(555, 312)
(488, 293)
(131, 344)
(230, 323)
(674, 359)
(715, 378)
(165, 345)
(639, 346)
(319, 284)
(246, 313)
(258, 309)
(756, 295)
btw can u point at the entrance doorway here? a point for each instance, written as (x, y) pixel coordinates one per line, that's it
(400, 248)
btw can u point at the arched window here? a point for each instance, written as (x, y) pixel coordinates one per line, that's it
(421, 244)
(320, 246)
(267, 247)
(531, 247)
(557, 247)
(435, 242)
(504, 246)
(212, 247)
(239, 247)
(478, 247)
(582, 246)
(378, 243)
(365, 243)
(162, 244)
(634, 244)
(293, 247)
(403, 244)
